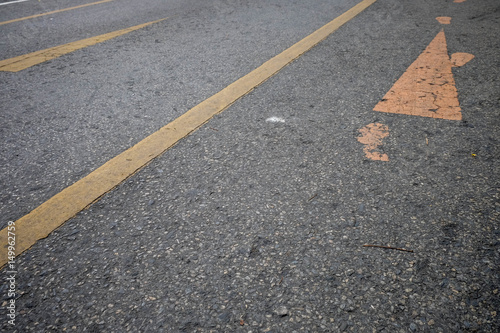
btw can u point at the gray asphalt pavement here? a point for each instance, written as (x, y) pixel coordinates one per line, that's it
(249, 224)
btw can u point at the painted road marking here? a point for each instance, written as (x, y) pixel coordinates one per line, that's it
(54, 212)
(11, 2)
(372, 136)
(427, 88)
(53, 12)
(19, 63)
(444, 19)
(460, 58)
(275, 120)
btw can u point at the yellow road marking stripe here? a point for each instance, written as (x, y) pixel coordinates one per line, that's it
(19, 63)
(54, 212)
(53, 12)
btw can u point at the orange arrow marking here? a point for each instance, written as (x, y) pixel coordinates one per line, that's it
(427, 88)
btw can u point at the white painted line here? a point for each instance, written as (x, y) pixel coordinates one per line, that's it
(8, 3)
(275, 120)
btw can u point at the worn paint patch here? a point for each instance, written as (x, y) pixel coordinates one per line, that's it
(460, 58)
(427, 88)
(372, 136)
(444, 19)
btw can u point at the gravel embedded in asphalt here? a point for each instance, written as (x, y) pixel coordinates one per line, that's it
(249, 225)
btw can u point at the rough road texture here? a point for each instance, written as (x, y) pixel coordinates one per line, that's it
(255, 226)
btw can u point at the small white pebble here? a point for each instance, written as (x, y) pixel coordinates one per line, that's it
(275, 120)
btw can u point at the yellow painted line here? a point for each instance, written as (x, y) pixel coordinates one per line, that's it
(19, 63)
(54, 212)
(53, 12)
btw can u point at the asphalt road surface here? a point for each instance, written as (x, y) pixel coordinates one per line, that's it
(354, 187)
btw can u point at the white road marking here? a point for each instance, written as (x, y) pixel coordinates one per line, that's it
(8, 3)
(275, 120)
